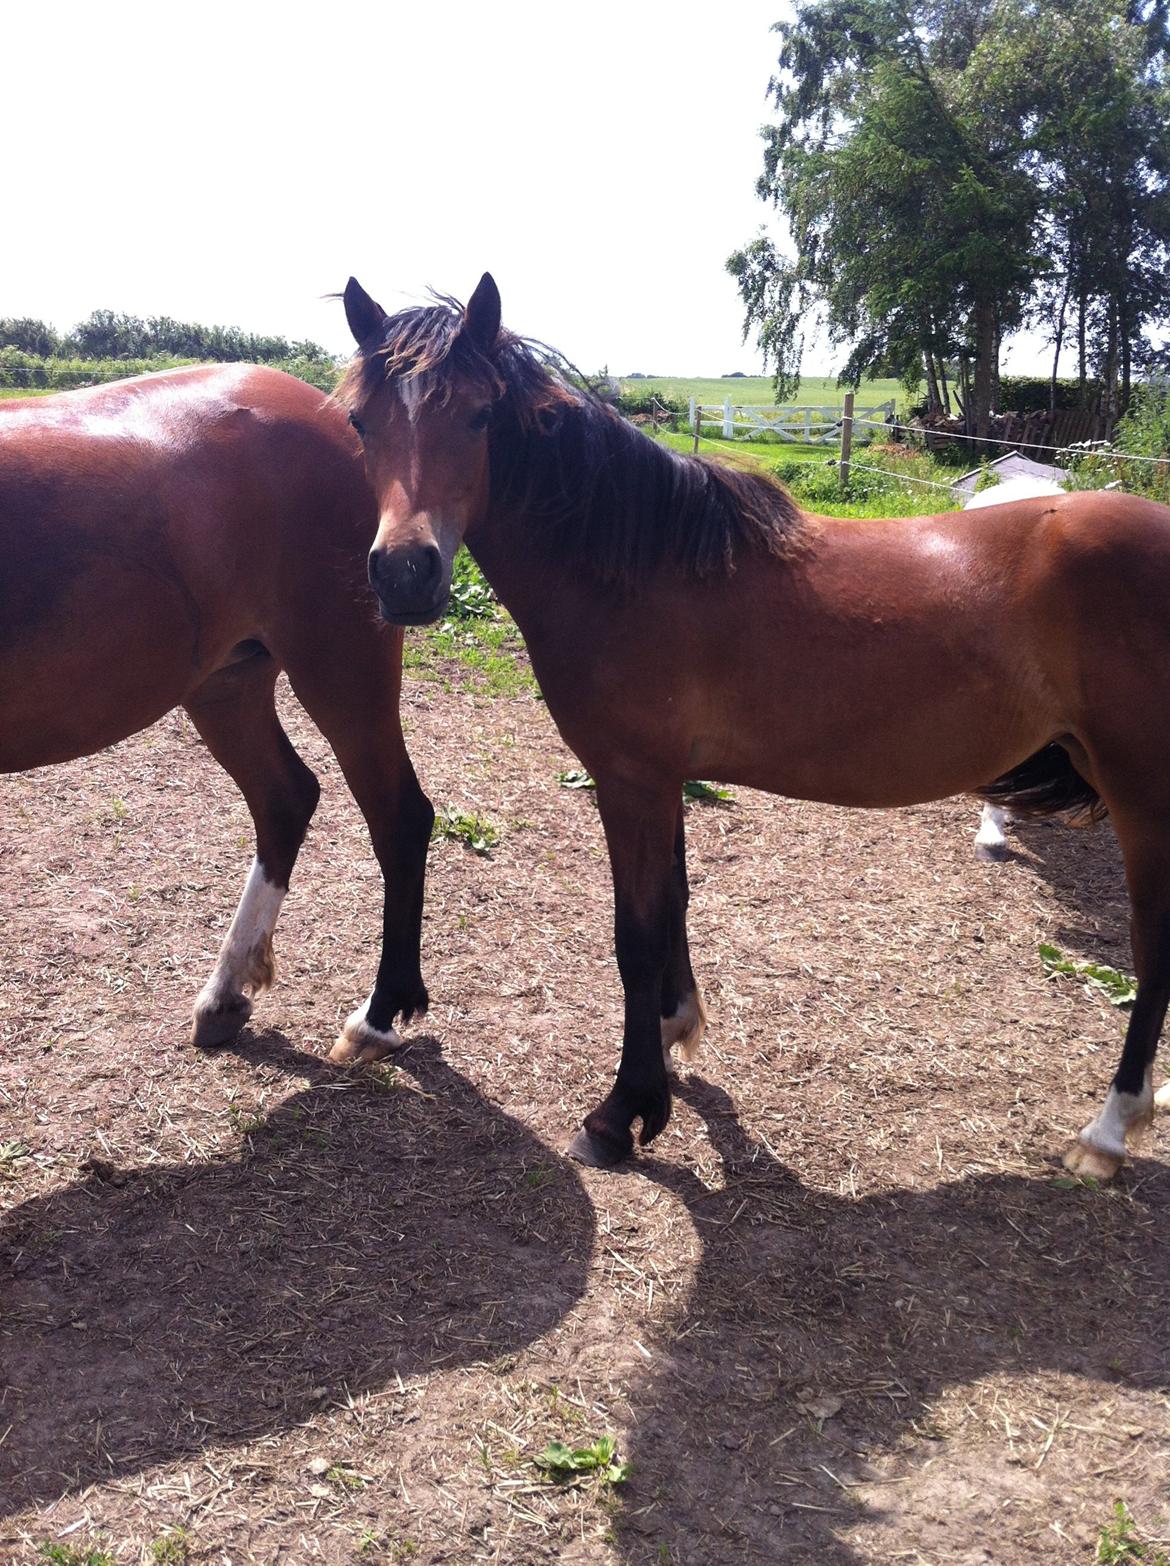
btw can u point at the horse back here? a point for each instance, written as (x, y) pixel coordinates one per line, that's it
(149, 526)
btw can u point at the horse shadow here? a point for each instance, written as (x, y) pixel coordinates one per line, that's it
(1082, 868)
(373, 1227)
(821, 1332)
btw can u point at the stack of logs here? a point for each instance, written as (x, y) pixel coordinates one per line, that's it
(1038, 429)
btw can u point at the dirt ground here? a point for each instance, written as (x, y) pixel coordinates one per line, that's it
(847, 1310)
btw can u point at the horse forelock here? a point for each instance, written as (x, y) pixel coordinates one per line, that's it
(423, 348)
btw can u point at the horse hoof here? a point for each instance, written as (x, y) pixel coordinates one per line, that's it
(218, 1022)
(1091, 1163)
(593, 1152)
(358, 1044)
(993, 853)
(1162, 1099)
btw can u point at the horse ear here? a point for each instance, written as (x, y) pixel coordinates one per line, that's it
(481, 319)
(365, 315)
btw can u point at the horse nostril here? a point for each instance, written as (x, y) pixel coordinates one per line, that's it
(430, 566)
(376, 568)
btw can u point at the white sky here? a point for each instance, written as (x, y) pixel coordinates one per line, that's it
(231, 163)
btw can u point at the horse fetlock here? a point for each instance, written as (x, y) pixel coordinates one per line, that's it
(359, 1044)
(260, 969)
(1101, 1148)
(684, 1029)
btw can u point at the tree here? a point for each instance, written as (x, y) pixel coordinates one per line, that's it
(29, 336)
(951, 167)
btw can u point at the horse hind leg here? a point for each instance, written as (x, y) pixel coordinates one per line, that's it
(684, 1016)
(990, 842)
(1129, 1106)
(235, 715)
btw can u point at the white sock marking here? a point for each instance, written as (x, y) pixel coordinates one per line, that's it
(245, 958)
(1122, 1113)
(990, 841)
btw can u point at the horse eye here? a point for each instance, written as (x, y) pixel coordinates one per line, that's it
(358, 425)
(481, 419)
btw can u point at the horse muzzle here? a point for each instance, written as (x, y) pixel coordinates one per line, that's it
(411, 583)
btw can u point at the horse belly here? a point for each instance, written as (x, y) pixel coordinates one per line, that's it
(87, 662)
(878, 719)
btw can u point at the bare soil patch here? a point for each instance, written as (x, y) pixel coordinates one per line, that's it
(847, 1310)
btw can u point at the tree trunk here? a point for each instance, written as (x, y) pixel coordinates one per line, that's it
(984, 364)
(1082, 377)
(933, 400)
(946, 391)
(1057, 342)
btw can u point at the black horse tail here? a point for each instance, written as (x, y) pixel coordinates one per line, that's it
(1047, 784)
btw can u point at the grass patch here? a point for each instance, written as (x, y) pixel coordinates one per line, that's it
(816, 391)
(1118, 988)
(485, 656)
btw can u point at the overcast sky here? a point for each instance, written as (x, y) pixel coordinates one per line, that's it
(232, 163)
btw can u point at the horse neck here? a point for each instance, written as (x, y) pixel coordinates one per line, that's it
(521, 568)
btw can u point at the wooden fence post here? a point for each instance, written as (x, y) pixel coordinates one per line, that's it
(846, 438)
(728, 426)
(696, 420)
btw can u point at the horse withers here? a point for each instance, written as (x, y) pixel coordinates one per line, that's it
(687, 620)
(179, 539)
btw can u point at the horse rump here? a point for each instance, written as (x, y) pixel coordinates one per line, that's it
(1047, 784)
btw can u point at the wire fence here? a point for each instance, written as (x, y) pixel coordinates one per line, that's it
(1100, 450)
(1078, 448)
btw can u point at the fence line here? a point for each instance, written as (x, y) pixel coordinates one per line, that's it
(901, 478)
(758, 419)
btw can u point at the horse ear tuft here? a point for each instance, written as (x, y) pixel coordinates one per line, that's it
(365, 315)
(481, 319)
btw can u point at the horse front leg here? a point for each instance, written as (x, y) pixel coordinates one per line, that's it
(640, 822)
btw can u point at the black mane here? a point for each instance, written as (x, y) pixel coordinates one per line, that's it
(621, 505)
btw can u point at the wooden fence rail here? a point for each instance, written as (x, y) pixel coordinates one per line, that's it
(804, 423)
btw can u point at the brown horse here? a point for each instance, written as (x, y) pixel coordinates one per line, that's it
(180, 539)
(685, 620)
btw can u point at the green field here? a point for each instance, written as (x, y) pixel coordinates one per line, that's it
(817, 390)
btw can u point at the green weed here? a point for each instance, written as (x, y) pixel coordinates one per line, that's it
(1118, 1543)
(471, 597)
(346, 1477)
(695, 788)
(171, 1549)
(707, 793)
(1119, 989)
(74, 1555)
(474, 832)
(576, 777)
(565, 1463)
